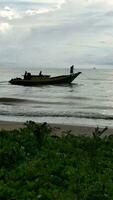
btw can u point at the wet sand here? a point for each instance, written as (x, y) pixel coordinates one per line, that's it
(58, 129)
(7, 125)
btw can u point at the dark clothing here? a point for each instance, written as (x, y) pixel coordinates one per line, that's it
(27, 75)
(71, 69)
(40, 74)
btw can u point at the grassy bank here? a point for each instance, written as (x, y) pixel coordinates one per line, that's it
(35, 165)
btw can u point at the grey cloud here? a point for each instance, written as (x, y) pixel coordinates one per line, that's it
(74, 34)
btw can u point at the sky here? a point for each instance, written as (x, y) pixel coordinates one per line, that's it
(56, 33)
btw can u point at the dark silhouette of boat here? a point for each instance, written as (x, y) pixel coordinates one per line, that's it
(33, 80)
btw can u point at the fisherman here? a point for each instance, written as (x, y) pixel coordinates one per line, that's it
(40, 74)
(71, 69)
(29, 75)
(25, 75)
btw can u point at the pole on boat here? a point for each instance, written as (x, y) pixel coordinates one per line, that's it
(71, 69)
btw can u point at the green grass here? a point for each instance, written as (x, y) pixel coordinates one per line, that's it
(34, 165)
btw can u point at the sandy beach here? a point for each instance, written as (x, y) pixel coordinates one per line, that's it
(58, 129)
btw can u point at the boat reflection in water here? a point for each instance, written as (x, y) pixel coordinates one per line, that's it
(33, 80)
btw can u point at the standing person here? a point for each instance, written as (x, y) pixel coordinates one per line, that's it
(40, 74)
(71, 69)
(25, 74)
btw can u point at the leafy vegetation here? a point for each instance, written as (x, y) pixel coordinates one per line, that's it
(35, 165)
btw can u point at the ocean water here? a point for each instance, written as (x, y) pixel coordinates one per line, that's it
(88, 100)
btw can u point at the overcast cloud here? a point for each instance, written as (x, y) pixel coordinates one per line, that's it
(56, 33)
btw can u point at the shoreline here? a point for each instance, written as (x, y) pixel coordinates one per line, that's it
(58, 129)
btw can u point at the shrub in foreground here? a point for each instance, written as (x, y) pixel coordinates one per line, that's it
(35, 165)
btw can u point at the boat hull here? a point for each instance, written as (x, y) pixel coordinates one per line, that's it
(45, 80)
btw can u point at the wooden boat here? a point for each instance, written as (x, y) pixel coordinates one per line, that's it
(33, 80)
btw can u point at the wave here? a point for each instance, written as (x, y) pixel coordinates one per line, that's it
(7, 100)
(3, 82)
(77, 98)
(63, 115)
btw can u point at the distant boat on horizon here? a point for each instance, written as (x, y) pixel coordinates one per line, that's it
(40, 79)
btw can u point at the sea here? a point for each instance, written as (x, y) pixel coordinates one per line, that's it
(87, 101)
